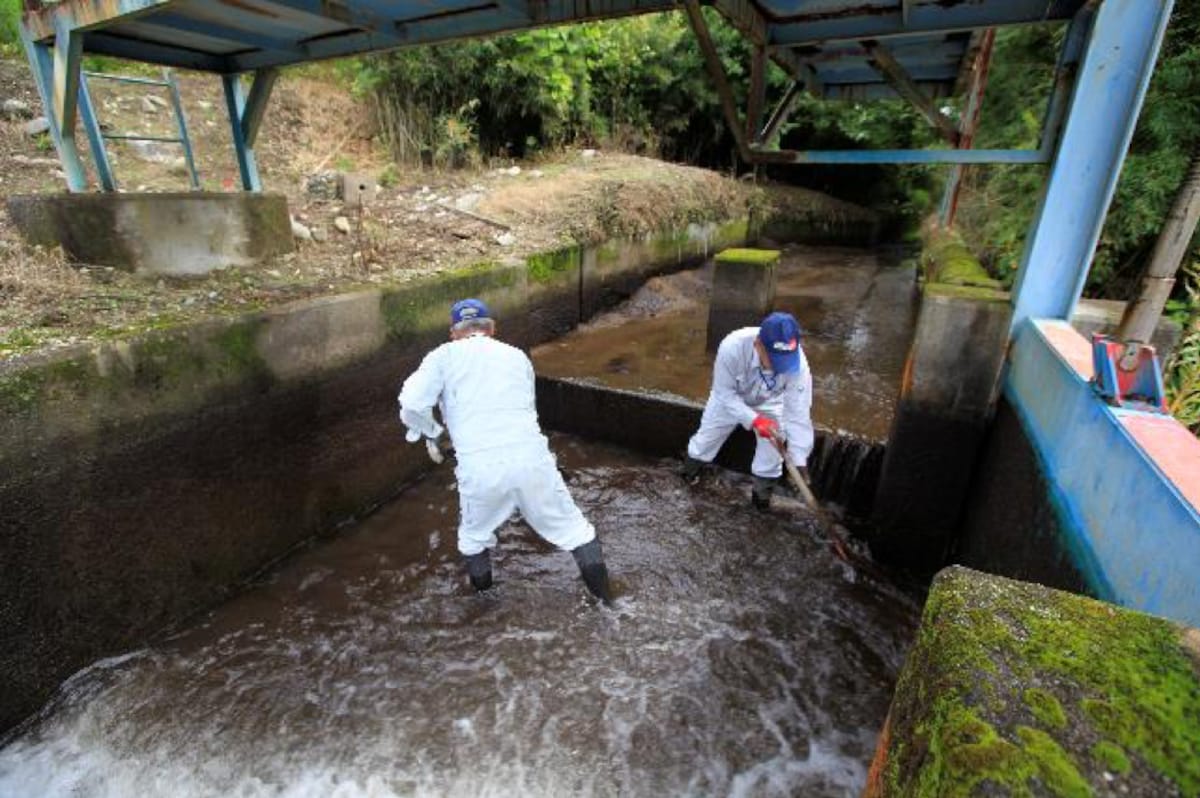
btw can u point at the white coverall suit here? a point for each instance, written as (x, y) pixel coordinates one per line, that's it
(742, 389)
(485, 389)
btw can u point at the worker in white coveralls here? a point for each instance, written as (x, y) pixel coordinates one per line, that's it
(485, 392)
(760, 381)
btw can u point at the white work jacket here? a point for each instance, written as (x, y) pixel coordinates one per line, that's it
(485, 391)
(742, 389)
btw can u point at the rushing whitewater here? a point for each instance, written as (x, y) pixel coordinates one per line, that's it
(742, 658)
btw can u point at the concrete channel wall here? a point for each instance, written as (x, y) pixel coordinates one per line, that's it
(844, 467)
(143, 480)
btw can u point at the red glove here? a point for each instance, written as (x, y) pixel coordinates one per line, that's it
(765, 427)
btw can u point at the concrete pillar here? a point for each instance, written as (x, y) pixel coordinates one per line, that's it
(947, 399)
(743, 291)
(1109, 90)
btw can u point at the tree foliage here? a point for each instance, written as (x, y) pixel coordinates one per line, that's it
(999, 202)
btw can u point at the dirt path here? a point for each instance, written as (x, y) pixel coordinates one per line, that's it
(314, 125)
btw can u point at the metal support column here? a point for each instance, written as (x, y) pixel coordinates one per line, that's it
(235, 103)
(41, 61)
(716, 72)
(970, 123)
(181, 124)
(91, 125)
(883, 62)
(1109, 90)
(758, 92)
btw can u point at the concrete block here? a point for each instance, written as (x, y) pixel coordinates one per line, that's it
(1016, 689)
(844, 467)
(947, 399)
(176, 234)
(743, 291)
(356, 189)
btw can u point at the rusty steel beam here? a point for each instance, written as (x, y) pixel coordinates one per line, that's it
(757, 97)
(782, 111)
(970, 124)
(81, 15)
(716, 72)
(891, 70)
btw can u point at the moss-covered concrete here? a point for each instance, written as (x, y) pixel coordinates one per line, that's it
(947, 259)
(749, 257)
(1014, 689)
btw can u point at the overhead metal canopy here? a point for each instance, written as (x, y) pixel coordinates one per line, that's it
(819, 41)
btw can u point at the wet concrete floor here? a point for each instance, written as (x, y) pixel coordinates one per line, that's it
(857, 307)
(741, 659)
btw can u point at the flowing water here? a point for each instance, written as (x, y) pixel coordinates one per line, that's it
(857, 309)
(741, 658)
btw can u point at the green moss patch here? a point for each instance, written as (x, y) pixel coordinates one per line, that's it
(1111, 756)
(749, 257)
(1045, 707)
(947, 259)
(547, 266)
(973, 292)
(1041, 692)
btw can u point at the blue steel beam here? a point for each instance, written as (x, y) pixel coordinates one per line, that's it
(861, 92)
(41, 60)
(256, 103)
(899, 156)
(181, 121)
(476, 21)
(1064, 74)
(134, 50)
(924, 16)
(167, 23)
(68, 51)
(235, 104)
(1109, 89)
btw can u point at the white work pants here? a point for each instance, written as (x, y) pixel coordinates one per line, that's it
(491, 486)
(716, 425)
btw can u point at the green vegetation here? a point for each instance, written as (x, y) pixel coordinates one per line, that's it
(636, 84)
(10, 18)
(1111, 756)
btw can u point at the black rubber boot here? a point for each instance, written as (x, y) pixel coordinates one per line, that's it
(760, 494)
(479, 569)
(590, 559)
(691, 469)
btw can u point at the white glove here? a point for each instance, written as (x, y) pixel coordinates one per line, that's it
(435, 452)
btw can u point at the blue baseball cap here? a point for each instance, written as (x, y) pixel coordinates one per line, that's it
(780, 336)
(468, 310)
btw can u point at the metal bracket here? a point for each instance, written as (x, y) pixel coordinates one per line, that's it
(1128, 375)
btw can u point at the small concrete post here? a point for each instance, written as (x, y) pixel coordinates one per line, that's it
(743, 291)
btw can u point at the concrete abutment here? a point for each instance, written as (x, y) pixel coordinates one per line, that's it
(179, 234)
